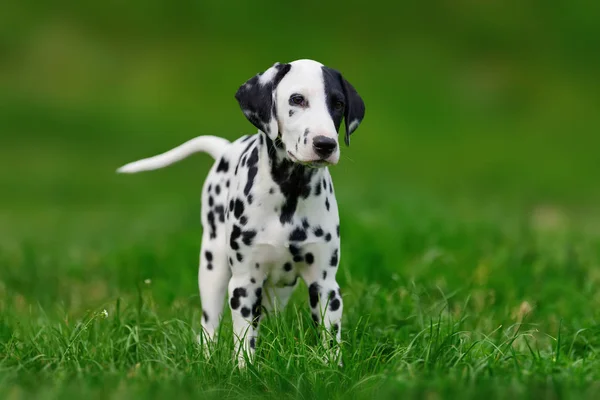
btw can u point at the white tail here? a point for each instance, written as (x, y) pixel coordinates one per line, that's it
(213, 145)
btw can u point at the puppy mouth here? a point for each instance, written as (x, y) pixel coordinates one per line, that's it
(318, 163)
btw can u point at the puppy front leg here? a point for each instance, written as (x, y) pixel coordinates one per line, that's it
(245, 298)
(326, 302)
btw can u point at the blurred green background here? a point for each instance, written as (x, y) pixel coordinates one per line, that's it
(484, 107)
(482, 122)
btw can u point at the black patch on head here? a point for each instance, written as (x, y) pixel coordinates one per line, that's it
(334, 258)
(318, 231)
(223, 165)
(245, 312)
(236, 232)
(328, 237)
(287, 267)
(256, 100)
(248, 237)
(339, 89)
(313, 294)
(309, 258)
(298, 235)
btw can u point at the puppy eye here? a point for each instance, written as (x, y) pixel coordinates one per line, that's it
(339, 105)
(297, 100)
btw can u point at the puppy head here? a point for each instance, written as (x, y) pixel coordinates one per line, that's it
(303, 103)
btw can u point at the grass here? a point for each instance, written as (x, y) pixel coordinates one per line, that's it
(443, 297)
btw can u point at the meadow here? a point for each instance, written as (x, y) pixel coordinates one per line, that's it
(468, 199)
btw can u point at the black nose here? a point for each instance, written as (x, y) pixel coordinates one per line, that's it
(324, 146)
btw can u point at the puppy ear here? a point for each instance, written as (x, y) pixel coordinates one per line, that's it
(354, 111)
(256, 98)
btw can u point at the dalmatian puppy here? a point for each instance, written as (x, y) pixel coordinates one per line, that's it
(269, 212)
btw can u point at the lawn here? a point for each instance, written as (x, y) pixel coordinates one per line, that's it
(470, 226)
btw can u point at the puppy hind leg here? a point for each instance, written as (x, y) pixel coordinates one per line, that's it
(213, 276)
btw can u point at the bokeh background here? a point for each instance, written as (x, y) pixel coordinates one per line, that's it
(482, 122)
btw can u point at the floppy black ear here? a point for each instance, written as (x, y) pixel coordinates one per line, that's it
(354, 111)
(256, 98)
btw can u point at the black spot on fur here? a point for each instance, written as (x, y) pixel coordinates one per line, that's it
(328, 237)
(334, 304)
(220, 211)
(245, 312)
(305, 223)
(234, 302)
(318, 189)
(243, 220)
(211, 201)
(238, 208)
(257, 265)
(309, 258)
(298, 258)
(335, 328)
(318, 231)
(250, 198)
(287, 266)
(313, 294)
(252, 280)
(227, 183)
(293, 180)
(272, 190)
(209, 187)
(337, 230)
(211, 222)
(236, 232)
(223, 165)
(253, 159)
(205, 315)
(239, 257)
(306, 131)
(208, 255)
(240, 292)
(324, 184)
(218, 189)
(291, 112)
(327, 203)
(298, 235)
(334, 258)
(231, 203)
(230, 261)
(324, 275)
(209, 267)
(294, 250)
(252, 342)
(248, 237)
